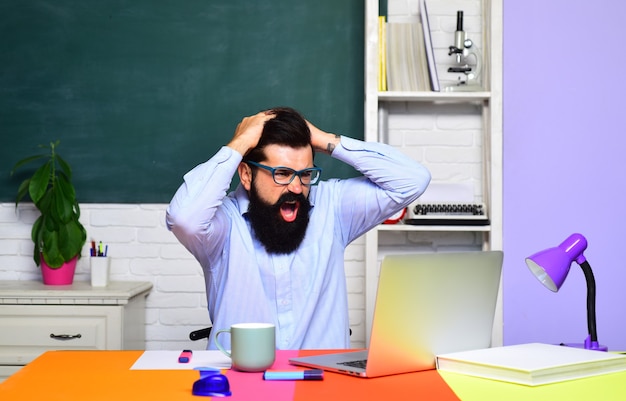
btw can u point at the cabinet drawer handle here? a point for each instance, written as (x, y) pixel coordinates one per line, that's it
(64, 337)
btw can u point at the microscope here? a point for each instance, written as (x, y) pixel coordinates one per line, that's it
(464, 50)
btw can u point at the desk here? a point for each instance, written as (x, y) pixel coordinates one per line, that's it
(106, 376)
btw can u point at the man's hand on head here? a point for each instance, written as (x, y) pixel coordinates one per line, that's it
(323, 141)
(248, 132)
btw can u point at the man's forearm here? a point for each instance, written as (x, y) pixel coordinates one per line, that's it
(385, 166)
(322, 141)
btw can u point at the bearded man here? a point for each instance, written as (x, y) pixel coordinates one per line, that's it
(273, 250)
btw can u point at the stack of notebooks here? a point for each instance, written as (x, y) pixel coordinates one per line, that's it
(406, 58)
(532, 364)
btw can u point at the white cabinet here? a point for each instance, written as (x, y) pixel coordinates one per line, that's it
(463, 129)
(35, 318)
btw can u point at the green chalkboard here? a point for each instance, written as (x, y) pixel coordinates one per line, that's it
(140, 91)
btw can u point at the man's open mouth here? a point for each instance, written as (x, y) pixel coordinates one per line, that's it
(289, 210)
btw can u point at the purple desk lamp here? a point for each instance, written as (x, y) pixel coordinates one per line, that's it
(551, 266)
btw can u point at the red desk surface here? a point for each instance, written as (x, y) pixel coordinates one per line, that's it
(106, 375)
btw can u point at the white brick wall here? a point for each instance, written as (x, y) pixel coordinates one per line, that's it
(447, 139)
(142, 249)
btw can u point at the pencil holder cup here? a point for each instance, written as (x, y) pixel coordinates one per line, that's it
(99, 271)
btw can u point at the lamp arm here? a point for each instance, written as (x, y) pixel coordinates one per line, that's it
(591, 300)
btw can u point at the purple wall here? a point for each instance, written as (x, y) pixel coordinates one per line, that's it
(564, 164)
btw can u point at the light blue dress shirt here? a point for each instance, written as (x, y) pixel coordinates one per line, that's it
(303, 293)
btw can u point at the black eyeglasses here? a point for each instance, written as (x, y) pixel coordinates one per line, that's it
(284, 175)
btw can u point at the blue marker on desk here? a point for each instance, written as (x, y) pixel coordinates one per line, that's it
(311, 374)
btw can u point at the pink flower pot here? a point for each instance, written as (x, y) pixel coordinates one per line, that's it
(63, 275)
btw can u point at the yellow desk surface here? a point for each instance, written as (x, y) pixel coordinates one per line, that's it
(611, 387)
(106, 375)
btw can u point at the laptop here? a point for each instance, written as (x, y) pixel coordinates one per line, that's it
(426, 304)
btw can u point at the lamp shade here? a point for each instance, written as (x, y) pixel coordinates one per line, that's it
(552, 265)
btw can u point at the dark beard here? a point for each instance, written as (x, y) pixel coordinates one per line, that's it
(277, 235)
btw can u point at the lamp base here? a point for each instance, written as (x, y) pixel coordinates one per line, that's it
(588, 344)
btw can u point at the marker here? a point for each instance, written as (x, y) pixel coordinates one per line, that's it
(185, 356)
(311, 374)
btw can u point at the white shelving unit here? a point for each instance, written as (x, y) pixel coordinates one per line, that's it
(487, 104)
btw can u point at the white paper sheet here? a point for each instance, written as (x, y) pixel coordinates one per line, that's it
(168, 360)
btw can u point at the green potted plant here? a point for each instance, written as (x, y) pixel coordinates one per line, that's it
(57, 234)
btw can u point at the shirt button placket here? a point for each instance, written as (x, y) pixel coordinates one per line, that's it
(283, 299)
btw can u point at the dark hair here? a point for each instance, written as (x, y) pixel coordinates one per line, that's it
(288, 128)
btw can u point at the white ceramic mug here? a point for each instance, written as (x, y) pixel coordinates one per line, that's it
(253, 346)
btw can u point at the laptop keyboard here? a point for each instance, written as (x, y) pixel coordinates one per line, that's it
(355, 364)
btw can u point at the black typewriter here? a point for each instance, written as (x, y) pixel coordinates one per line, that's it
(449, 214)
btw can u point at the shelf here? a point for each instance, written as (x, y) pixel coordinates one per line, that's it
(451, 97)
(390, 117)
(410, 227)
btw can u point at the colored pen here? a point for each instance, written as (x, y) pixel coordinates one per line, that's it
(311, 374)
(185, 356)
